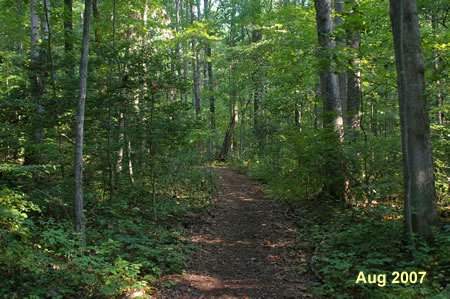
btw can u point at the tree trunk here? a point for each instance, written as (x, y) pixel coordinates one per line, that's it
(420, 193)
(79, 214)
(96, 14)
(121, 140)
(212, 105)
(68, 51)
(340, 42)
(212, 108)
(227, 140)
(352, 109)
(178, 4)
(257, 113)
(440, 95)
(32, 155)
(195, 68)
(298, 115)
(68, 27)
(329, 83)
(47, 10)
(334, 183)
(226, 145)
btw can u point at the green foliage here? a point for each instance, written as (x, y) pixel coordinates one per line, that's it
(138, 104)
(367, 234)
(126, 248)
(373, 245)
(441, 154)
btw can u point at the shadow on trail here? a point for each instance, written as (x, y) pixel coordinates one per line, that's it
(244, 251)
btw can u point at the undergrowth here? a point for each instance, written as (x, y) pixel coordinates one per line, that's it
(366, 234)
(131, 239)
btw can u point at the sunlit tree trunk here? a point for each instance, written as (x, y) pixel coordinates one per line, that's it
(79, 214)
(420, 193)
(178, 4)
(121, 139)
(340, 42)
(227, 140)
(353, 98)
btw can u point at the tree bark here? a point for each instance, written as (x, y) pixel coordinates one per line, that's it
(258, 121)
(212, 105)
(329, 83)
(96, 14)
(79, 214)
(352, 109)
(178, 4)
(68, 50)
(334, 183)
(340, 42)
(68, 27)
(32, 153)
(420, 193)
(226, 145)
(440, 95)
(195, 68)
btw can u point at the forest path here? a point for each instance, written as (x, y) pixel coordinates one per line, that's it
(245, 251)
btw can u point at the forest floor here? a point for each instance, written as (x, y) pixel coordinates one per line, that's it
(246, 248)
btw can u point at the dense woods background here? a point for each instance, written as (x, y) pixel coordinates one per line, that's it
(107, 108)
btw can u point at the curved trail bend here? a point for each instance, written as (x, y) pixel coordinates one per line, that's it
(245, 251)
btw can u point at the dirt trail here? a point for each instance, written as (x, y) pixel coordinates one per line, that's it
(244, 251)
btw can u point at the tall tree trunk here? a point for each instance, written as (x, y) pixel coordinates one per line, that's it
(298, 115)
(178, 4)
(96, 13)
(68, 50)
(340, 42)
(332, 109)
(32, 155)
(329, 83)
(352, 108)
(226, 145)
(227, 140)
(47, 9)
(195, 68)
(212, 104)
(79, 214)
(121, 140)
(257, 112)
(212, 108)
(420, 193)
(440, 95)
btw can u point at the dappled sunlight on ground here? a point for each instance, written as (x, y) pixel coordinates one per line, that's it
(203, 239)
(244, 251)
(208, 283)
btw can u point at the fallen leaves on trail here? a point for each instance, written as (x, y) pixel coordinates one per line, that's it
(245, 251)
